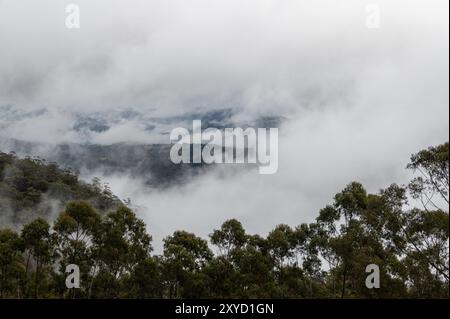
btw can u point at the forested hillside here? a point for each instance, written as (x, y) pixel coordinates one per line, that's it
(31, 188)
(326, 258)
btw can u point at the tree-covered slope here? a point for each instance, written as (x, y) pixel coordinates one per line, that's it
(32, 187)
(400, 235)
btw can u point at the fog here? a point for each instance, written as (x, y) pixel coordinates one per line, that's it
(357, 101)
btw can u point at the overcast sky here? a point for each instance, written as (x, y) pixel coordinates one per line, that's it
(358, 101)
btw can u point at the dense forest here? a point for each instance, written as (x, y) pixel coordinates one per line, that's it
(404, 229)
(31, 188)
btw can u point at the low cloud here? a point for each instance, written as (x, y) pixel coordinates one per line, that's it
(356, 102)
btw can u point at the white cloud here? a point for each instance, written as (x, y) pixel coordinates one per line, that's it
(358, 100)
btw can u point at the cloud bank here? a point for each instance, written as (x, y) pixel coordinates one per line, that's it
(357, 101)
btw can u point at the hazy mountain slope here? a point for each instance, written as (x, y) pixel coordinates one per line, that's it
(31, 187)
(94, 143)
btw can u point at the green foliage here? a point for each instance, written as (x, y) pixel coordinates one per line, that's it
(323, 259)
(121, 242)
(185, 255)
(39, 249)
(231, 236)
(31, 188)
(12, 267)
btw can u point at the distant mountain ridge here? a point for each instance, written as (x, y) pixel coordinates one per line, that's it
(149, 161)
(118, 125)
